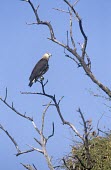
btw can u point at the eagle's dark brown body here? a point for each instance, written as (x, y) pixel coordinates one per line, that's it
(40, 68)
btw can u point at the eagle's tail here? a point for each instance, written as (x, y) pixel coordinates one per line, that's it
(30, 84)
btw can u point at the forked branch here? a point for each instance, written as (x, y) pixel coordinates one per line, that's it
(29, 167)
(80, 58)
(39, 22)
(13, 108)
(57, 106)
(43, 140)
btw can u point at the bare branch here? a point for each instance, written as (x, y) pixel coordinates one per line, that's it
(72, 51)
(61, 10)
(52, 132)
(25, 0)
(64, 161)
(86, 141)
(67, 39)
(99, 95)
(76, 2)
(17, 112)
(71, 35)
(98, 124)
(38, 141)
(29, 167)
(37, 8)
(5, 95)
(57, 108)
(11, 138)
(81, 162)
(36, 149)
(43, 116)
(103, 132)
(72, 58)
(36, 127)
(19, 152)
(23, 152)
(60, 100)
(43, 140)
(45, 83)
(42, 22)
(80, 26)
(33, 23)
(84, 122)
(34, 167)
(88, 59)
(81, 60)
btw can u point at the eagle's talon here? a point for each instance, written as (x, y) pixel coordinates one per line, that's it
(41, 78)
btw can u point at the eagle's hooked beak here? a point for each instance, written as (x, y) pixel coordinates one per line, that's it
(50, 54)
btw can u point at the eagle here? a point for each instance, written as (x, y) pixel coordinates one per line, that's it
(40, 68)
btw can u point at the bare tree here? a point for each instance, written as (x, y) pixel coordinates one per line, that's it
(82, 60)
(43, 140)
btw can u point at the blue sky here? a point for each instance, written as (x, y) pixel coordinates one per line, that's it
(21, 46)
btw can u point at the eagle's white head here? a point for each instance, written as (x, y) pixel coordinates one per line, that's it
(47, 56)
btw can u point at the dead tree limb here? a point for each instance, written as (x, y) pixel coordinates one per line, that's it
(80, 58)
(43, 140)
(29, 167)
(19, 152)
(23, 152)
(11, 138)
(11, 106)
(56, 104)
(86, 141)
(71, 32)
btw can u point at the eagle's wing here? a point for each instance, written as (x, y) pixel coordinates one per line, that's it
(40, 68)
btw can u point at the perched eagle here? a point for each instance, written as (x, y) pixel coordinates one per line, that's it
(40, 68)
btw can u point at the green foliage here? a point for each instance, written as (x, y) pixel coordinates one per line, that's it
(100, 152)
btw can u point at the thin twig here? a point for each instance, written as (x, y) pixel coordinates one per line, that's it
(72, 58)
(86, 141)
(76, 2)
(36, 127)
(81, 161)
(38, 141)
(36, 149)
(52, 132)
(29, 167)
(99, 95)
(11, 138)
(71, 34)
(43, 116)
(80, 26)
(98, 124)
(17, 112)
(60, 100)
(34, 167)
(33, 23)
(42, 22)
(65, 164)
(5, 95)
(61, 10)
(23, 152)
(67, 39)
